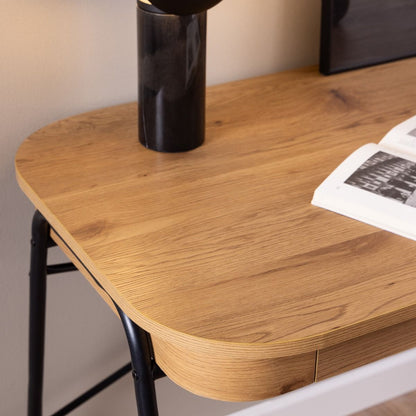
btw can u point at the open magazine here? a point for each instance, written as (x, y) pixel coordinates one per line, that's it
(377, 183)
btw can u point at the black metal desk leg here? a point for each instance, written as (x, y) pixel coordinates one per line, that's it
(38, 258)
(142, 365)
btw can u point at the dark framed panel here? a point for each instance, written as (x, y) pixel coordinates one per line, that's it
(358, 33)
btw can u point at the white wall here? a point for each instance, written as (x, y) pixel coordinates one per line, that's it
(59, 58)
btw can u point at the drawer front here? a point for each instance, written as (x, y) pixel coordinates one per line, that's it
(229, 378)
(366, 349)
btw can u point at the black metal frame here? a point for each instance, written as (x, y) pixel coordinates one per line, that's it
(144, 368)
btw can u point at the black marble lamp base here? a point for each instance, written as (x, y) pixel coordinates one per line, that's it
(172, 65)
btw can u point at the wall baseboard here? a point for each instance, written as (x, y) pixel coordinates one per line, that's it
(348, 393)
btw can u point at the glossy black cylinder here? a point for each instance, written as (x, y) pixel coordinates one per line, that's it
(172, 62)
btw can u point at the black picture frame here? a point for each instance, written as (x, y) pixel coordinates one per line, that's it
(360, 33)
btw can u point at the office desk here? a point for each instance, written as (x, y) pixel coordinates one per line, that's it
(246, 289)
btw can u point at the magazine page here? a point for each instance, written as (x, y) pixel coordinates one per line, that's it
(402, 137)
(373, 186)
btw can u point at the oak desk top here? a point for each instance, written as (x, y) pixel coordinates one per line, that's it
(217, 252)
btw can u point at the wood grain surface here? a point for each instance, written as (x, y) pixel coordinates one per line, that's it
(229, 378)
(218, 251)
(366, 349)
(401, 406)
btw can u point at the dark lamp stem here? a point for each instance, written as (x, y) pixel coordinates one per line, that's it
(172, 51)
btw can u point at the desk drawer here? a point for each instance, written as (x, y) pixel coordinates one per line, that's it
(366, 349)
(233, 378)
